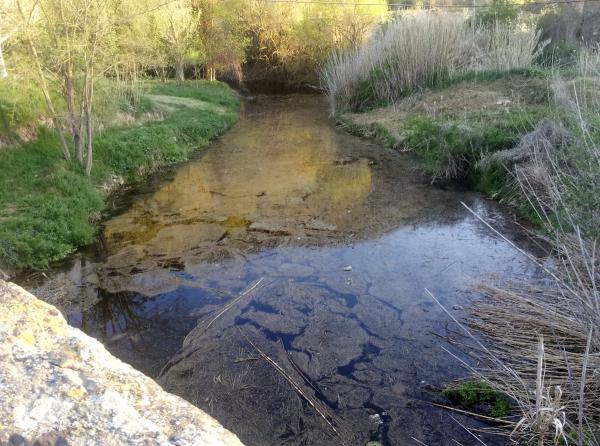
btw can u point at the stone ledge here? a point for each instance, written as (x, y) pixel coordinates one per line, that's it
(59, 386)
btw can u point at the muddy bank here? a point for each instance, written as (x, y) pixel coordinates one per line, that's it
(345, 236)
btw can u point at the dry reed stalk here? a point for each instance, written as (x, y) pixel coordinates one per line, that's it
(419, 49)
(554, 381)
(247, 292)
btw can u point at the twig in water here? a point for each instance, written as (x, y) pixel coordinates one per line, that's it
(230, 305)
(470, 433)
(296, 387)
(471, 414)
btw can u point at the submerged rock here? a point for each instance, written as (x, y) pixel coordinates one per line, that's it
(59, 385)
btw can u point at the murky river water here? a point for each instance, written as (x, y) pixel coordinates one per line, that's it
(339, 237)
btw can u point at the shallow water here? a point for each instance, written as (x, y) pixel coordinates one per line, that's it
(341, 238)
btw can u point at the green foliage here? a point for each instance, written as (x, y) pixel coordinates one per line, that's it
(500, 408)
(472, 393)
(364, 97)
(581, 180)
(45, 204)
(563, 54)
(48, 206)
(449, 147)
(502, 11)
(21, 102)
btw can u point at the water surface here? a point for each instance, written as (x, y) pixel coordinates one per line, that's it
(342, 238)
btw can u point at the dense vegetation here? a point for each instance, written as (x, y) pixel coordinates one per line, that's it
(48, 206)
(84, 91)
(522, 125)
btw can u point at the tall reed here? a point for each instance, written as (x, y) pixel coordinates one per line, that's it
(543, 338)
(420, 49)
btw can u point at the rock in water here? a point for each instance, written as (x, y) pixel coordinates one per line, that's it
(58, 385)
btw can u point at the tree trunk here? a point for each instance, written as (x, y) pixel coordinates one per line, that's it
(49, 104)
(89, 91)
(44, 86)
(3, 71)
(74, 118)
(69, 94)
(210, 73)
(179, 71)
(90, 141)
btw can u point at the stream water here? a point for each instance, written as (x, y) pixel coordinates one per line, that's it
(335, 240)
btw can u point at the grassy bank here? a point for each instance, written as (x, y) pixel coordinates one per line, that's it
(48, 207)
(453, 126)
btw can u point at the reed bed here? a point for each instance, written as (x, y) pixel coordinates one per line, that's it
(421, 49)
(541, 341)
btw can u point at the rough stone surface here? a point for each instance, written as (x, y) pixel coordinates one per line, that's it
(59, 386)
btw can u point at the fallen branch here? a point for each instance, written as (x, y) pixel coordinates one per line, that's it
(248, 291)
(473, 414)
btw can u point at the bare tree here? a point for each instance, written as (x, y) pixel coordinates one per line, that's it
(3, 69)
(75, 37)
(26, 18)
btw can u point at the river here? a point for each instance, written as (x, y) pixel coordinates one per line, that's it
(334, 240)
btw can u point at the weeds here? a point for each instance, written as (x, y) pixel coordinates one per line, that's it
(472, 393)
(449, 148)
(544, 338)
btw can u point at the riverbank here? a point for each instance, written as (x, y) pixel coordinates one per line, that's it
(345, 235)
(532, 141)
(452, 127)
(49, 208)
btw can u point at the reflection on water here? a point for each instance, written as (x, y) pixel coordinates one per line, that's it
(346, 236)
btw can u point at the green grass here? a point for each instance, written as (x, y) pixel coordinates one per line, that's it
(449, 148)
(470, 394)
(48, 207)
(21, 103)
